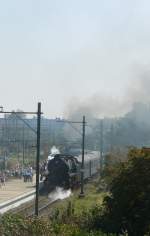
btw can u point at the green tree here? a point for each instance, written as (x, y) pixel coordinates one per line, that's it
(128, 206)
(112, 163)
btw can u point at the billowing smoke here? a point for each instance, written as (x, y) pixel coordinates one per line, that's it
(98, 106)
(59, 193)
(139, 90)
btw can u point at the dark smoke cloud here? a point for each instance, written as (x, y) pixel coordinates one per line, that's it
(98, 106)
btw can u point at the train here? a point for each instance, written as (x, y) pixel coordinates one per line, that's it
(64, 170)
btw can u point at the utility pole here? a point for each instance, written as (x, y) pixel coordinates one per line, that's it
(5, 145)
(23, 143)
(111, 137)
(37, 132)
(38, 159)
(83, 147)
(101, 146)
(82, 165)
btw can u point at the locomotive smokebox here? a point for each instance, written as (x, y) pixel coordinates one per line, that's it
(60, 170)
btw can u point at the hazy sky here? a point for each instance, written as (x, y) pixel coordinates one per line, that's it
(62, 50)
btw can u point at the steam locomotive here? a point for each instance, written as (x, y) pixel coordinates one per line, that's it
(64, 171)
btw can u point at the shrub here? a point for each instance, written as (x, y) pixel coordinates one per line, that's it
(15, 225)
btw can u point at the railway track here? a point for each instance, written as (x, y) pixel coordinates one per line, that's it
(29, 210)
(24, 205)
(45, 207)
(16, 202)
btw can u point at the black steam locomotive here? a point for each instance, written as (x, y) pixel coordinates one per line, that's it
(65, 171)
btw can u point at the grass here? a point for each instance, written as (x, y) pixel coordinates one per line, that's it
(62, 224)
(92, 197)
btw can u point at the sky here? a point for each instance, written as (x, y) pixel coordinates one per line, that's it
(56, 52)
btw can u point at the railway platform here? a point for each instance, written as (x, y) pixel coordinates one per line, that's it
(14, 188)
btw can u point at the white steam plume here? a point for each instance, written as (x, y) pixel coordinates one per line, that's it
(55, 150)
(59, 193)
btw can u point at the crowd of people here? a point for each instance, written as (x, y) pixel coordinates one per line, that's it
(25, 173)
(2, 179)
(22, 172)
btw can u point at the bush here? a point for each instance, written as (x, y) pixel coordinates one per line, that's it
(15, 225)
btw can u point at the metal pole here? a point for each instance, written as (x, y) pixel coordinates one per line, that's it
(101, 146)
(111, 137)
(38, 159)
(23, 154)
(82, 165)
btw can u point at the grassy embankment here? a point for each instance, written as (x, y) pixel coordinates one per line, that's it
(64, 219)
(92, 197)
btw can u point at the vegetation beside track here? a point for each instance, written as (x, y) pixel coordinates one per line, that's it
(78, 205)
(122, 211)
(66, 218)
(14, 225)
